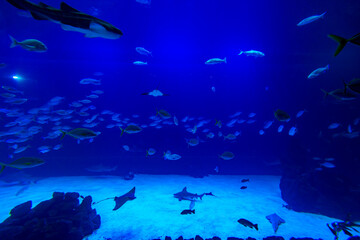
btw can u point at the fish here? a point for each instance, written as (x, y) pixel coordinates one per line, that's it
(187, 211)
(310, 19)
(144, 2)
(218, 123)
(21, 149)
(343, 41)
(261, 132)
(155, 93)
(22, 163)
(93, 96)
(318, 72)
(185, 195)
(247, 223)
(213, 61)
(130, 129)
(143, 51)
(230, 136)
(192, 142)
(349, 129)
(213, 89)
(12, 89)
(268, 124)
(98, 92)
(292, 131)
(334, 125)
(90, 81)
(281, 115)
(354, 85)
(251, 115)
(140, 63)
(176, 121)
(126, 148)
(120, 201)
(252, 53)
(16, 101)
(216, 169)
(275, 221)
(150, 152)
(44, 149)
(227, 155)
(328, 165)
(300, 113)
(210, 135)
(7, 95)
(70, 19)
(243, 187)
(340, 94)
(31, 45)
(169, 156)
(245, 180)
(80, 133)
(163, 114)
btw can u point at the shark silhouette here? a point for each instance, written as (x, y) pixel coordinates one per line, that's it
(70, 19)
(185, 195)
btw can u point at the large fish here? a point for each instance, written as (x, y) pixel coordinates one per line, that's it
(70, 19)
(343, 41)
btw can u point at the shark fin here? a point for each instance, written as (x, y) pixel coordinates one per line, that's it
(43, 4)
(16, 4)
(65, 7)
(14, 43)
(37, 16)
(184, 189)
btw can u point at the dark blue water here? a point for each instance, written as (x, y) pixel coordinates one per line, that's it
(182, 35)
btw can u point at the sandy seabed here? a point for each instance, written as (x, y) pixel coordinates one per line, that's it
(155, 213)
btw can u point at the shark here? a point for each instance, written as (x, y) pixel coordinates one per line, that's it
(70, 19)
(185, 195)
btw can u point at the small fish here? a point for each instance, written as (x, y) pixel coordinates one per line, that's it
(268, 124)
(155, 93)
(340, 94)
(80, 133)
(227, 155)
(93, 96)
(126, 148)
(187, 211)
(213, 89)
(243, 187)
(318, 72)
(252, 53)
(21, 163)
(218, 123)
(329, 159)
(173, 157)
(90, 81)
(150, 152)
(16, 101)
(210, 135)
(251, 115)
(11, 89)
(32, 45)
(261, 132)
(192, 142)
(334, 125)
(7, 95)
(247, 223)
(213, 61)
(144, 2)
(300, 113)
(245, 180)
(310, 19)
(349, 129)
(98, 92)
(140, 63)
(281, 115)
(143, 51)
(163, 114)
(44, 149)
(57, 147)
(21, 149)
(130, 129)
(176, 121)
(230, 136)
(292, 131)
(216, 169)
(327, 165)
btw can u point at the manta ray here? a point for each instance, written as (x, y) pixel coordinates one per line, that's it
(69, 18)
(119, 201)
(275, 220)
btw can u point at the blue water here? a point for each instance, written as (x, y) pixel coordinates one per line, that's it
(182, 35)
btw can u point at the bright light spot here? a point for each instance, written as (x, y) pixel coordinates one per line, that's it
(16, 77)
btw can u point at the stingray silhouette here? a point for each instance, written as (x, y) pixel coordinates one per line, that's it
(119, 201)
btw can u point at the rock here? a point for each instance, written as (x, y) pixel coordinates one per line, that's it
(180, 238)
(306, 238)
(167, 238)
(234, 238)
(354, 238)
(250, 238)
(56, 219)
(216, 238)
(197, 237)
(21, 210)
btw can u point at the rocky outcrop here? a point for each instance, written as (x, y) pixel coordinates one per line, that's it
(61, 217)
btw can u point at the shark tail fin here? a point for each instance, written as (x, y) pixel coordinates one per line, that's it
(241, 52)
(63, 134)
(342, 42)
(325, 93)
(193, 211)
(147, 153)
(14, 43)
(256, 227)
(2, 168)
(122, 131)
(345, 86)
(201, 196)
(225, 60)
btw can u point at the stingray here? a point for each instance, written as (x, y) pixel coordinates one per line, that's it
(275, 220)
(119, 201)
